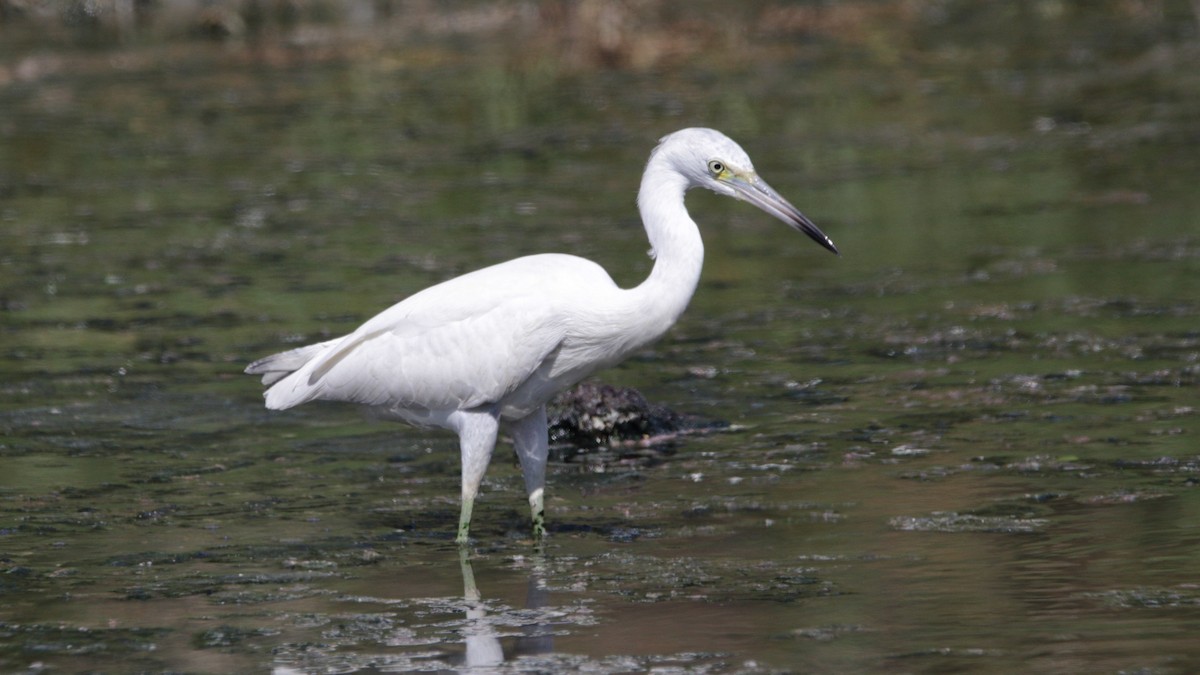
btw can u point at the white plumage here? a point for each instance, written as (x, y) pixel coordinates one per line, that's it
(496, 344)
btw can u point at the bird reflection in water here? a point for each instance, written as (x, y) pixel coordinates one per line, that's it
(481, 636)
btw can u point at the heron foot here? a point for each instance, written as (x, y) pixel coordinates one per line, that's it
(539, 526)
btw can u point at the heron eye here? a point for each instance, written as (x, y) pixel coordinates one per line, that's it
(716, 167)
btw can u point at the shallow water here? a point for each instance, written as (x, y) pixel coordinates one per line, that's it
(967, 444)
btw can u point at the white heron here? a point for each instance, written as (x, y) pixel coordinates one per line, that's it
(493, 346)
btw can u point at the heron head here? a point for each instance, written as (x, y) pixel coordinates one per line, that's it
(709, 159)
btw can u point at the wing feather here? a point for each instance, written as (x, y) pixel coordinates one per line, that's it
(461, 344)
(278, 366)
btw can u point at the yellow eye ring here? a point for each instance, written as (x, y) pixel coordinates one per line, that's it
(716, 167)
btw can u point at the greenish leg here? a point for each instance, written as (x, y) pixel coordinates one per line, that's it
(532, 444)
(464, 521)
(477, 438)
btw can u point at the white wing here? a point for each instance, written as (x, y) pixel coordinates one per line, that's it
(461, 344)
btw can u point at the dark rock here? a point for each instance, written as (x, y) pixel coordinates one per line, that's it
(594, 415)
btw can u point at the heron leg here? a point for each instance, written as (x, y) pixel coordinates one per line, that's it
(533, 445)
(476, 438)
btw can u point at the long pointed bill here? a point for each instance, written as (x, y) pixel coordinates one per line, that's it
(756, 191)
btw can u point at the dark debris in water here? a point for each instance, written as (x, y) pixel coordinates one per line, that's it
(950, 521)
(154, 558)
(226, 636)
(1125, 496)
(1182, 596)
(47, 641)
(948, 652)
(227, 586)
(594, 415)
(828, 632)
(613, 532)
(647, 579)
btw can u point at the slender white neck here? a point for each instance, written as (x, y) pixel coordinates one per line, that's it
(677, 248)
